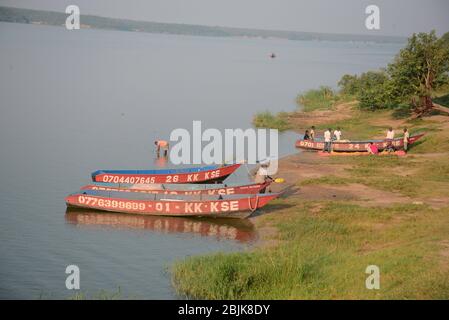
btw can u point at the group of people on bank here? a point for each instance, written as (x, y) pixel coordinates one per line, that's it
(336, 136)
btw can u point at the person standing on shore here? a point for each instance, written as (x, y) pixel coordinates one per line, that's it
(406, 139)
(161, 144)
(327, 140)
(312, 133)
(390, 138)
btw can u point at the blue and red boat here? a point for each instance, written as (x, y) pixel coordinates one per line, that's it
(207, 174)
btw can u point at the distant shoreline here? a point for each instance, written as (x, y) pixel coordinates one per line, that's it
(53, 18)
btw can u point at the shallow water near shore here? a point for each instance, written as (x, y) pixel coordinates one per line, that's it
(75, 102)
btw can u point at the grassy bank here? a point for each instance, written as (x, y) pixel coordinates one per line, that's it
(322, 248)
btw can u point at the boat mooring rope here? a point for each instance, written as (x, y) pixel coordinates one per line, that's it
(256, 204)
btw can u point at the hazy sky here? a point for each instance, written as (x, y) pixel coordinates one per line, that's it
(398, 17)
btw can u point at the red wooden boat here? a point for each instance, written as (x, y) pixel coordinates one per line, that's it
(227, 206)
(241, 230)
(181, 189)
(354, 146)
(208, 174)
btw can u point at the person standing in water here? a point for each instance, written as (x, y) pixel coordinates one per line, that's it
(161, 144)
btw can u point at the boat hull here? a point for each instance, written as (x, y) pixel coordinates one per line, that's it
(208, 174)
(354, 146)
(238, 206)
(180, 189)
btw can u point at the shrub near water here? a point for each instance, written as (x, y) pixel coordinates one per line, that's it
(272, 121)
(322, 98)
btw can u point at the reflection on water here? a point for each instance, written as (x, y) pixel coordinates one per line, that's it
(223, 229)
(160, 161)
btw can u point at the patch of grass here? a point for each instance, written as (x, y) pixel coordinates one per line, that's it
(323, 253)
(317, 99)
(358, 127)
(272, 121)
(407, 176)
(432, 142)
(330, 180)
(402, 112)
(443, 100)
(100, 295)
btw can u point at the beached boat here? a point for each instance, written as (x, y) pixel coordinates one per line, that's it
(226, 206)
(208, 174)
(399, 153)
(354, 146)
(181, 189)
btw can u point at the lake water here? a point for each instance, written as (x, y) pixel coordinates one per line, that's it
(73, 102)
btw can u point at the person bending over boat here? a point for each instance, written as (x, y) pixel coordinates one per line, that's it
(161, 144)
(406, 139)
(306, 135)
(372, 149)
(261, 174)
(337, 134)
(328, 140)
(312, 133)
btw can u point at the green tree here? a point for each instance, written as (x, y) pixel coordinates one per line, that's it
(376, 91)
(349, 84)
(419, 69)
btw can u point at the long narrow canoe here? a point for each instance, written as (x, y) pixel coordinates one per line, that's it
(208, 174)
(227, 206)
(354, 146)
(181, 189)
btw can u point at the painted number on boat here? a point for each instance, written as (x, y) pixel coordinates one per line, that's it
(110, 203)
(218, 206)
(132, 179)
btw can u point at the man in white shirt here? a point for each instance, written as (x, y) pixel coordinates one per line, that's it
(337, 134)
(390, 134)
(327, 140)
(390, 137)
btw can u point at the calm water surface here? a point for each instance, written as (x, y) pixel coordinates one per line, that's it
(74, 102)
